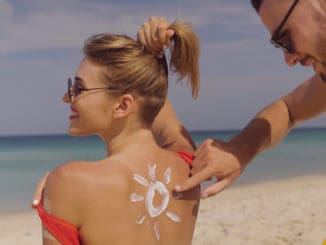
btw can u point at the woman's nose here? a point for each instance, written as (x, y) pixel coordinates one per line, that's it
(65, 98)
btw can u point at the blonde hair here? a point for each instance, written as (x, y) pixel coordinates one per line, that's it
(130, 68)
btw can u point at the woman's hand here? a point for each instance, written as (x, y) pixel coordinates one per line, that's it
(38, 191)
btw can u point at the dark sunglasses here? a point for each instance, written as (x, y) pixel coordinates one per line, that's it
(284, 41)
(75, 90)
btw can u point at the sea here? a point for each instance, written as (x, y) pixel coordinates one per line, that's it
(25, 159)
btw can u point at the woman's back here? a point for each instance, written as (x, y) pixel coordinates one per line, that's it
(128, 198)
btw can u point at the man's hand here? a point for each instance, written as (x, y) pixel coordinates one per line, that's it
(155, 35)
(213, 158)
(38, 191)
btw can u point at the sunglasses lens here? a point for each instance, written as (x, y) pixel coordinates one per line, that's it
(284, 42)
(286, 47)
(69, 89)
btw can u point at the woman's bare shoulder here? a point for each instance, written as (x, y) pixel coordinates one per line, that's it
(84, 173)
(73, 187)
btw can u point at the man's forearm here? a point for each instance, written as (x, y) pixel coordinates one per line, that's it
(265, 130)
(272, 124)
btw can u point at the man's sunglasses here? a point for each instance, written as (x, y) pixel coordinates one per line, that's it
(75, 90)
(283, 40)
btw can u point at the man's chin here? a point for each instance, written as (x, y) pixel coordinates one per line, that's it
(323, 76)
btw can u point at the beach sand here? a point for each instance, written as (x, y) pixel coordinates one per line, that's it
(289, 211)
(20, 228)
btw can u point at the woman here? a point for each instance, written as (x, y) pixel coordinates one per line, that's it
(125, 198)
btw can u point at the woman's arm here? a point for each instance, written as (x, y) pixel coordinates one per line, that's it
(169, 132)
(60, 207)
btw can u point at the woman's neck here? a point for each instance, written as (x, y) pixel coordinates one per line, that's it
(127, 139)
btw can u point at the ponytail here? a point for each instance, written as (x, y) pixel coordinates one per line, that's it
(185, 55)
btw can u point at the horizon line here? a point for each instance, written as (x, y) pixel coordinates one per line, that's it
(303, 128)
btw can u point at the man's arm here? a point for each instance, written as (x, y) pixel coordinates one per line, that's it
(272, 124)
(308, 100)
(226, 160)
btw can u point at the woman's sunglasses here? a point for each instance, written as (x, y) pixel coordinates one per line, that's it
(75, 90)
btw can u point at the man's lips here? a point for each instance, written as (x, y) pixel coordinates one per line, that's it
(323, 76)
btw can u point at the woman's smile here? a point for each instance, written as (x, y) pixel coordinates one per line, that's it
(74, 113)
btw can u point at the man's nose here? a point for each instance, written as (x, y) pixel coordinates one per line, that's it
(291, 59)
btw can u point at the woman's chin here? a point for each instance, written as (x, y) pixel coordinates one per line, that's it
(76, 132)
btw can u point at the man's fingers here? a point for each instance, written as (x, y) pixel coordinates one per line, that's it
(197, 166)
(141, 37)
(147, 35)
(162, 26)
(152, 44)
(38, 192)
(215, 188)
(192, 181)
(155, 45)
(200, 161)
(201, 150)
(153, 25)
(162, 34)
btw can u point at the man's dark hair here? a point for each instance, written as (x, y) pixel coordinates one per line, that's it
(256, 4)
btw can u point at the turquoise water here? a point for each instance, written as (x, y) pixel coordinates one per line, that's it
(24, 159)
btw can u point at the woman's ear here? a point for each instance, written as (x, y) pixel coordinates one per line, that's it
(123, 106)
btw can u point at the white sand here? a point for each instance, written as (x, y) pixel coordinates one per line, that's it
(291, 211)
(20, 228)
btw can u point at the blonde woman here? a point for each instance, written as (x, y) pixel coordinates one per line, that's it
(126, 198)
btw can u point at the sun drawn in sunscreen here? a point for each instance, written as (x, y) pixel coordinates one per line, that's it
(152, 186)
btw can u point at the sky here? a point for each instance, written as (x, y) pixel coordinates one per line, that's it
(41, 41)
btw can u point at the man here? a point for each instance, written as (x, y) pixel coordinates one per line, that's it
(298, 29)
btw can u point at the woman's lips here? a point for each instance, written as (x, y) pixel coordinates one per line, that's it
(74, 113)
